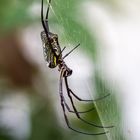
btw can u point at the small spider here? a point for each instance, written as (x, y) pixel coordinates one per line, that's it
(54, 58)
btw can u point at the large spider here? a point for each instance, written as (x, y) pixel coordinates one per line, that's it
(53, 56)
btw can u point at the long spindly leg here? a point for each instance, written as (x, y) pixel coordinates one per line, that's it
(64, 112)
(47, 13)
(101, 98)
(76, 112)
(45, 26)
(62, 50)
(71, 51)
(71, 111)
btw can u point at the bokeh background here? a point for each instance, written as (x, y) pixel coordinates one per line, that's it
(107, 61)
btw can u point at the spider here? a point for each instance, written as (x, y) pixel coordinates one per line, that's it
(54, 58)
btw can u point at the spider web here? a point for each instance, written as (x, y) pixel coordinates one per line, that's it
(66, 21)
(70, 36)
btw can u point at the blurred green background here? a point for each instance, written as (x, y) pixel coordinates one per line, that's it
(27, 109)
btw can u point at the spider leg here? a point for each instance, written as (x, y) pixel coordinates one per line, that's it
(68, 108)
(75, 110)
(46, 19)
(62, 50)
(101, 98)
(64, 111)
(44, 24)
(48, 10)
(71, 51)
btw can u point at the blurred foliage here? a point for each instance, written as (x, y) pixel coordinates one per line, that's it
(15, 14)
(109, 109)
